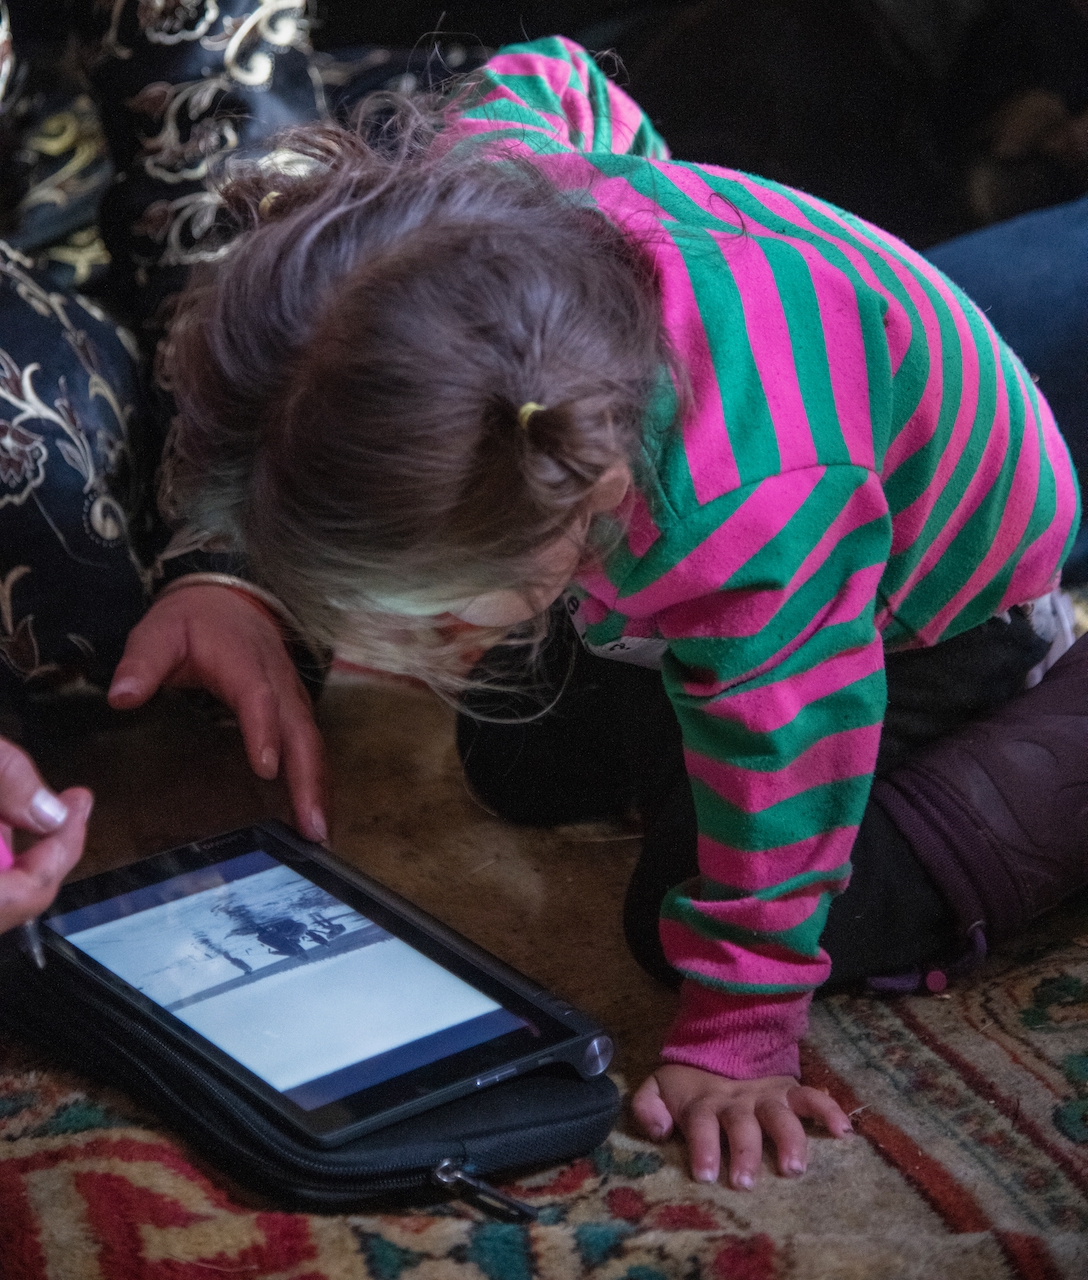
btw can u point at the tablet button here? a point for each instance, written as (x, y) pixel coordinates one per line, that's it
(495, 1076)
(597, 1056)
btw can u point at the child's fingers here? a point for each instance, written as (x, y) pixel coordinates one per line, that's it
(155, 647)
(782, 1126)
(650, 1110)
(250, 671)
(812, 1104)
(57, 854)
(25, 801)
(304, 764)
(702, 1131)
(744, 1134)
(253, 700)
(277, 723)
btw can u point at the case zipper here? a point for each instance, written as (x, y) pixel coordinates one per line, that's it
(448, 1173)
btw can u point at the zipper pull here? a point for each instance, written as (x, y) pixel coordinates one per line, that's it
(450, 1174)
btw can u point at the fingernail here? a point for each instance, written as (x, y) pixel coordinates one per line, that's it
(744, 1181)
(268, 760)
(705, 1175)
(317, 825)
(49, 811)
(794, 1168)
(124, 687)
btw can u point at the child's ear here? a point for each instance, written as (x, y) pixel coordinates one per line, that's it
(610, 489)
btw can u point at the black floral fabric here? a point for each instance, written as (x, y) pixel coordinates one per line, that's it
(178, 85)
(71, 585)
(183, 85)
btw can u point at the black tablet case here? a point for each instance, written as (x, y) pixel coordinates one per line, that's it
(532, 1120)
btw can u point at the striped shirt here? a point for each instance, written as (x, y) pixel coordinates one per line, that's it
(864, 464)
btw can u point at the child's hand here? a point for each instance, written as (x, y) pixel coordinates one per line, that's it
(208, 637)
(704, 1105)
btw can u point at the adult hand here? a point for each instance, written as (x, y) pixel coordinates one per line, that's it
(705, 1105)
(30, 883)
(211, 637)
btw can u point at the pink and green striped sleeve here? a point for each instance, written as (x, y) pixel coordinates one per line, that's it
(778, 684)
(551, 96)
(774, 667)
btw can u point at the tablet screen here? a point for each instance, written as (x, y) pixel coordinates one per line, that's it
(312, 997)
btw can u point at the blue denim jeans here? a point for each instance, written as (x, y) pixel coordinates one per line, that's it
(1030, 276)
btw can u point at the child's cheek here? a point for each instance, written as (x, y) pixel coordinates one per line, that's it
(498, 609)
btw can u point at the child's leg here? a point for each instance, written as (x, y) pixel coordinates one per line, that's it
(893, 916)
(591, 738)
(997, 812)
(573, 738)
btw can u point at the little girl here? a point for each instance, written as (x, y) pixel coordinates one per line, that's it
(782, 469)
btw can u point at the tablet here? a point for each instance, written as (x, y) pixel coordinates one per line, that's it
(324, 995)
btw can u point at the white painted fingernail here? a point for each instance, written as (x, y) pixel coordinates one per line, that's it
(745, 1181)
(49, 811)
(125, 687)
(317, 825)
(705, 1175)
(794, 1167)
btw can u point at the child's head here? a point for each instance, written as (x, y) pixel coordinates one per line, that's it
(410, 378)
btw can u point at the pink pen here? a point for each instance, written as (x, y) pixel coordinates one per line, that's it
(32, 938)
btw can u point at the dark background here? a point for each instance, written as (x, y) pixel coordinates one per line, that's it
(929, 117)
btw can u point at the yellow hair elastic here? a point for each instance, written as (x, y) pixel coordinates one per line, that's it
(526, 412)
(266, 203)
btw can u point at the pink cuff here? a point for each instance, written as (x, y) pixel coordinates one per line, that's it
(742, 1037)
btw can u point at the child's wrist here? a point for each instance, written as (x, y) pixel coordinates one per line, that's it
(740, 1037)
(262, 600)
